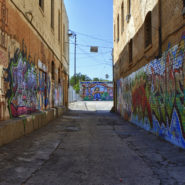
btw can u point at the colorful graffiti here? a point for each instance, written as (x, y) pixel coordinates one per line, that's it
(96, 91)
(22, 79)
(44, 90)
(58, 95)
(154, 96)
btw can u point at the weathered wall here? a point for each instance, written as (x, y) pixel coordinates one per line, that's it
(26, 65)
(96, 91)
(153, 97)
(138, 12)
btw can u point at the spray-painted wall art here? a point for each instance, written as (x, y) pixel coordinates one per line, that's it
(44, 90)
(96, 91)
(22, 79)
(58, 95)
(29, 88)
(154, 96)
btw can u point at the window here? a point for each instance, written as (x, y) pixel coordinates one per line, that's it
(118, 28)
(114, 32)
(183, 11)
(64, 32)
(128, 7)
(148, 30)
(128, 10)
(52, 14)
(59, 26)
(122, 17)
(41, 4)
(130, 52)
(59, 75)
(53, 70)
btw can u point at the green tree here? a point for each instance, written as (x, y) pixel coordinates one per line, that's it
(96, 79)
(79, 77)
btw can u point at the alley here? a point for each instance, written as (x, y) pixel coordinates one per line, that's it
(91, 146)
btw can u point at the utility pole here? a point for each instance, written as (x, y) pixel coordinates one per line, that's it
(75, 59)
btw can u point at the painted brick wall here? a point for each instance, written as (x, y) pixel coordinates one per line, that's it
(153, 97)
(25, 67)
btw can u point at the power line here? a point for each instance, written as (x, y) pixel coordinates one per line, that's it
(102, 53)
(83, 45)
(90, 56)
(93, 37)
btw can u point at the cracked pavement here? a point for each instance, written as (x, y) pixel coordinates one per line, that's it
(91, 146)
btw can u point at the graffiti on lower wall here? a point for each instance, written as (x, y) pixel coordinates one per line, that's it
(22, 79)
(44, 90)
(96, 91)
(28, 89)
(58, 95)
(154, 96)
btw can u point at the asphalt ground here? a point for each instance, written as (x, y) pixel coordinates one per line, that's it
(91, 146)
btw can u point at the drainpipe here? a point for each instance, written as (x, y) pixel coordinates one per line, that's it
(160, 31)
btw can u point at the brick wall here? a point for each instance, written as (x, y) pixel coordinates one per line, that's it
(153, 97)
(26, 56)
(150, 91)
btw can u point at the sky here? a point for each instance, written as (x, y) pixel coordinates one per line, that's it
(91, 20)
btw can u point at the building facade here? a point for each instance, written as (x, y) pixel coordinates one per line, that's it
(34, 56)
(149, 70)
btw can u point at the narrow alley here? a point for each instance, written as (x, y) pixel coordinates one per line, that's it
(91, 146)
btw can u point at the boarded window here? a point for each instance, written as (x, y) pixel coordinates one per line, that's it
(114, 32)
(59, 75)
(52, 14)
(59, 26)
(128, 7)
(41, 4)
(130, 51)
(53, 70)
(118, 28)
(148, 30)
(64, 38)
(122, 17)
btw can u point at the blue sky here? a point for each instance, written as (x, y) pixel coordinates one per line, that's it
(91, 20)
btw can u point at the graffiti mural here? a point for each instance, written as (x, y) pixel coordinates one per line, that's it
(44, 90)
(154, 96)
(96, 91)
(22, 79)
(58, 95)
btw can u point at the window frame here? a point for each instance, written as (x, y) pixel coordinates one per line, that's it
(122, 17)
(52, 70)
(59, 26)
(130, 45)
(118, 26)
(41, 5)
(148, 30)
(52, 14)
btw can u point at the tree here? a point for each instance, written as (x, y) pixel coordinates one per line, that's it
(96, 79)
(79, 77)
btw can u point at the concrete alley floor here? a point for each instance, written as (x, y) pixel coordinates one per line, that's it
(90, 146)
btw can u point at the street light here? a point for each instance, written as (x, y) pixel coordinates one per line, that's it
(73, 34)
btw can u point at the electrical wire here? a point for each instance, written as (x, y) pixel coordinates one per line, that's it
(83, 45)
(93, 37)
